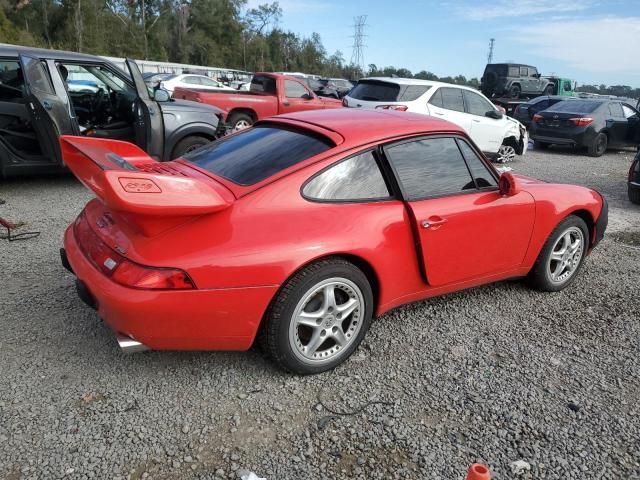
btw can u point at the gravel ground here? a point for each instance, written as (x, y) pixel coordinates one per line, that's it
(494, 374)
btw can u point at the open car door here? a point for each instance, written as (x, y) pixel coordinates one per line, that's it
(49, 112)
(149, 124)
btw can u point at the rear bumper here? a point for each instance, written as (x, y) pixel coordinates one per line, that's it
(221, 319)
(548, 135)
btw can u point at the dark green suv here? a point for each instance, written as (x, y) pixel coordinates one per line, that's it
(514, 80)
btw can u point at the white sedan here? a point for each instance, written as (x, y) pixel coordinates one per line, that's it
(195, 82)
(499, 136)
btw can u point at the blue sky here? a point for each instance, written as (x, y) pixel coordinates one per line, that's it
(590, 41)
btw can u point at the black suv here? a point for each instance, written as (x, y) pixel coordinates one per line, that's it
(513, 80)
(48, 93)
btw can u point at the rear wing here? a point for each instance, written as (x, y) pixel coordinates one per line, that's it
(115, 172)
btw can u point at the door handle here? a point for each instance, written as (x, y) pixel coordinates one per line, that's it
(433, 222)
(47, 105)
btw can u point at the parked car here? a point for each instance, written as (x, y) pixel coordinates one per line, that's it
(301, 229)
(33, 113)
(513, 80)
(500, 137)
(524, 112)
(269, 94)
(341, 85)
(200, 82)
(633, 185)
(320, 89)
(152, 80)
(594, 124)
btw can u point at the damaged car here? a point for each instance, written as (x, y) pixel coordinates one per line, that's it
(500, 137)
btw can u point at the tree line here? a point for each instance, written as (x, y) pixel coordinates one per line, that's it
(218, 33)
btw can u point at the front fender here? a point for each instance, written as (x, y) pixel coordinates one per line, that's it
(195, 128)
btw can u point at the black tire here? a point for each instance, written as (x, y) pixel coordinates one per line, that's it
(239, 120)
(539, 277)
(548, 90)
(598, 146)
(275, 333)
(188, 144)
(514, 91)
(634, 194)
(541, 145)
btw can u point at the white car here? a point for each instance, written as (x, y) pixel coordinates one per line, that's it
(196, 82)
(499, 136)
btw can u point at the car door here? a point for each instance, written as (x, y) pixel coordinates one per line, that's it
(465, 228)
(633, 124)
(525, 80)
(486, 132)
(297, 98)
(149, 125)
(617, 124)
(48, 109)
(448, 103)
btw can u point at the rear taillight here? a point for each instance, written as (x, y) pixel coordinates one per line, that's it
(538, 118)
(123, 271)
(400, 108)
(344, 102)
(581, 121)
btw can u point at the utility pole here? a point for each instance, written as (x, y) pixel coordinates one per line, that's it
(492, 42)
(357, 56)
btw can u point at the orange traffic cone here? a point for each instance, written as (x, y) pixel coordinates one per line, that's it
(477, 471)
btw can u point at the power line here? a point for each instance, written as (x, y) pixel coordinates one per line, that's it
(490, 56)
(357, 55)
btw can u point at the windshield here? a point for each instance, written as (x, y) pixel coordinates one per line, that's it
(251, 156)
(380, 91)
(575, 106)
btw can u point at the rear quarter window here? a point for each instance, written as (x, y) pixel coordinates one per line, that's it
(375, 91)
(258, 153)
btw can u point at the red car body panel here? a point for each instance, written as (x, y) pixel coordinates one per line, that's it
(259, 105)
(239, 255)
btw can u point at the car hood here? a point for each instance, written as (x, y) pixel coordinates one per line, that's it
(182, 106)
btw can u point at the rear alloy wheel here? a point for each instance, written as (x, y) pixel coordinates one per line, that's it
(549, 90)
(561, 257)
(598, 146)
(506, 154)
(514, 91)
(240, 121)
(319, 317)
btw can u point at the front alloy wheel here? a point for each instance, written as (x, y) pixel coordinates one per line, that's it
(506, 154)
(566, 255)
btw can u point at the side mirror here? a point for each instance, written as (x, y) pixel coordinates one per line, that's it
(508, 184)
(494, 114)
(161, 95)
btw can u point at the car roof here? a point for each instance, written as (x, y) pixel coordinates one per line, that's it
(15, 50)
(510, 64)
(417, 81)
(364, 125)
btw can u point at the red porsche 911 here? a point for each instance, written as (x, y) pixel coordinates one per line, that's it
(301, 229)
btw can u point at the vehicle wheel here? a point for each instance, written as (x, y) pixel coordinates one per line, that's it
(188, 144)
(506, 154)
(541, 145)
(634, 195)
(240, 121)
(318, 318)
(548, 90)
(561, 256)
(599, 145)
(514, 91)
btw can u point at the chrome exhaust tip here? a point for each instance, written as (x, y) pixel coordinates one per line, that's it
(129, 345)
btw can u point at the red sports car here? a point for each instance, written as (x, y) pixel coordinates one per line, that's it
(301, 229)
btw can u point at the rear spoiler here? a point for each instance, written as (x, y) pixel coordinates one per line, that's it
(110, 169)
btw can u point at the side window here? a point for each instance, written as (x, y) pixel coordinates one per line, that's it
(38, 76)
(430, 167)
(476, 105)
(628, 111)
(452, 99)
(533, 72)
(11, 80)
(208, 82)
(616, 110)
(524, 72)
(514, 71)
(479, 170)
(436, 99)
(294, 89)
(356, 178)
(191, 80)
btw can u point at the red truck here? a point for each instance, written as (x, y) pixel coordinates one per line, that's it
(270, 94)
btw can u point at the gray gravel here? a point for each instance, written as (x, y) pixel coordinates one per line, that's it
(494, 374)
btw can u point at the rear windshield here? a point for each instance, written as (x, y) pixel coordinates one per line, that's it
(378, 91)
(258, 153)
(263, 84)
(575, 106)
